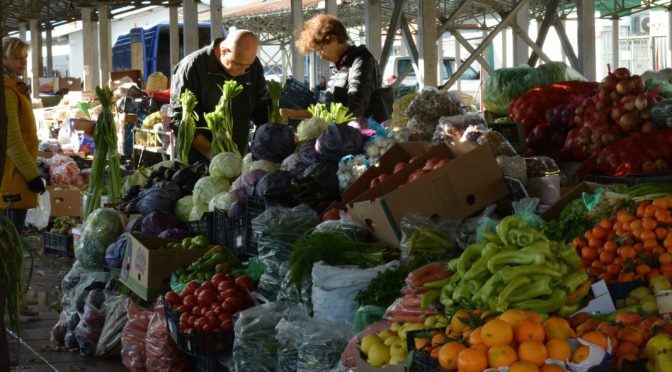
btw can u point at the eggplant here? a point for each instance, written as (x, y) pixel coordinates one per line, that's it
(188, 188)
(183, 176)
(177, 166)
(156, 180)
(168, 174)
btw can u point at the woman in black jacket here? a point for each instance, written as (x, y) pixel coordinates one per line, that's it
(354, 76)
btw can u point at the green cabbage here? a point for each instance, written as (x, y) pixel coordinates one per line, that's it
(222, 201)
(311, 128)
(183, 208)
(207, 187)
(138, 178)
(102, 227)
(226, 165)
(197, 211)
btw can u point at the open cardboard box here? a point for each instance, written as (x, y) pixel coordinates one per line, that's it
(575, 193)
(468, 183)
(65, 202)
(148, 264)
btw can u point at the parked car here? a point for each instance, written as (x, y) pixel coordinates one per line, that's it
(470, 81)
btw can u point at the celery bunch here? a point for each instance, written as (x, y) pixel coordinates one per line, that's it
(220, 121)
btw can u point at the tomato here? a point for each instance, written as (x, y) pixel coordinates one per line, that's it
(207, 297)
(189, 300)
(183, 309)
(431, 164)
(190, 288)
(229, 276)
(172, 298)
(207, 285)
(218, 310)
(213, 321)
(245, 282)
(416, 174)
(234, 303)
(206, 328)
(191, 320)
(210, 313)
(204, 310)
(331, 214)
(196, 309)
(217, 330)
(231, 292)
(224, 316)
(374, 182)
(199, 322)
(227, 284)
(400, 165)
(441, 163)
(217, 278)
(227, 325)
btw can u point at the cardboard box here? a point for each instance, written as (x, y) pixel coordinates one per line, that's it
(468, 183)
(148, 264)
(65, 202)
(85, 125)
(575, 193)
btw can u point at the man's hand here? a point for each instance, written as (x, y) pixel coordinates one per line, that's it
(36, 185)
(202, 145)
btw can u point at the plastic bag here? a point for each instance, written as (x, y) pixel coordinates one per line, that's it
(133, 353)
(59, 330)
(289, 292)
(109, 343)
(67, 136)
(346, 227)
(497, 142)
(287, 334)
(335, 288)
(338, 141)
(526, 210)
(72, 278)
(513, 166)
(276, 230)
(451, 128)
(255, 346)
(367, 315)
(91, 324)
(321, 346)
(422, 235)
(468, 231)
(87, 283)
(39, 216)
(161, 351)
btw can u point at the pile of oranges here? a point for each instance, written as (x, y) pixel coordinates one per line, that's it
(631, 245)
(517, 339)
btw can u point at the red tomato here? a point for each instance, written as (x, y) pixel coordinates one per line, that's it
(400, 165)
(245, 282)
(229, 276)
(196, 310)
(206, 328)
(213, 321)
(172, 298)
(190, 288)
(207, 297)
(231, 292)
(191, 320)
(224, 316)
(184, 318)
(189, 300)
(431, 163)
(199, 322)
(235, 303)
(207, 285)
(227, 284)
(416, 174)
(217, 278)
(183, 309)
(204, 310)
(441, 163)
(227, 325)
(227, 308)
(210, 313)
(383, 177)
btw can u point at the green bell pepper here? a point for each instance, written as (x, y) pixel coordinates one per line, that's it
(523, 237)
(514, 258)
(574, 280)
(486, 290)
(540, 286)
(429, 297)
(571, 257)
(510, 272)
(461, 291)
(510, 288)
(481, 265)
(492, 237)
(553, 303)
(471, 254)
(438, 283)
(506, 224)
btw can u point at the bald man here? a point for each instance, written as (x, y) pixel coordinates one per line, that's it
(204, 72)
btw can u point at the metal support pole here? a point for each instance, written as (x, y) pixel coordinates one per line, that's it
(458, 59)
(331, 7)
(174, 36)
(586, 35)
(465, 43)
(439, 59)
(49, 46)
(95, 75)
(427, 42)
(104, 43)
(505, 49)
(87, 40)
(520, 48)
(298, 64)
(373, 25)
(35, 57)
(614, 42)
(190, 26)
(216, 19)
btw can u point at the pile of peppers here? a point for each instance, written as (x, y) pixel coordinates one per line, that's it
(517, 267)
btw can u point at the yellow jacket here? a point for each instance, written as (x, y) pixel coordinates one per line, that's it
(22, 145)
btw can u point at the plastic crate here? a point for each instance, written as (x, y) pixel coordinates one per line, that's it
(229, 232)
(254, 206)
(297, 95)
(206, 364)
(631, 179)
(421, 361)
(202, 226)
(58, 242)
(196, 343)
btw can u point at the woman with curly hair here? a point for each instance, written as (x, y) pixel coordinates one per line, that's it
(354, 76)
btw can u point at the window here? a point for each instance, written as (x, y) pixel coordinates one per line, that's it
(403, 63)
(470, 74)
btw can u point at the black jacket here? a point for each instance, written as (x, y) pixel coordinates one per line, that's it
(201, 73)
(353, 82)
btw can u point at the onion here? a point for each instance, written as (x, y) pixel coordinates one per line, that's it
(624, 86)
(637, 84)
(615, 96)
(648, 127)
(616, 113)
(578, 120)
(609, 82)
(603, 96)
(608, 139)
(622, 73)
(585, 132)
(645, 115)
(640, 102)
(628, 103)
(629, 122)
(648, 167)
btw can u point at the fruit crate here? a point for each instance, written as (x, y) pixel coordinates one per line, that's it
(202, 227)
(297, 95)
(229, 232)
(58, 243)
(254, 206)
(197, 343)
(421, 360)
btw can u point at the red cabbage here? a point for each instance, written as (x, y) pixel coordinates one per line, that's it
(243, 186)
(158, 221)
(236, 210)
(174, 233)
(276, 186)
(307, 153)
(293, 165)
(273, 142)
(338, 141)
(162, 196)
(134, 224)
(114, 254)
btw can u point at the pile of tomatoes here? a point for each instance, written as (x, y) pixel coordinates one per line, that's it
(208, 307)
(631, 245)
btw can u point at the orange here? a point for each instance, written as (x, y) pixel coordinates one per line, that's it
(472, 360)
(501, 356)
(534, 316)
(625, 348)
(556, 327)
(475, 337)
(513, 316)
(523, 366)
(481, 347)
(456, 323)
(559, 349)
(529, 330)
(496, 332)
(438, 340)
(580, 354)
(533, 352)
(448, 354)
(596, 338)
(551, 368)
(420, 343)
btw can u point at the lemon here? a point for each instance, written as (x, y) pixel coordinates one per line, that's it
(379, 355)
(369, 340)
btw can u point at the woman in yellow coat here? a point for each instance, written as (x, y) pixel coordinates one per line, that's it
(21, 181)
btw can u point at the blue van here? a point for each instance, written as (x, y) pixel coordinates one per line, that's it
(155, 43)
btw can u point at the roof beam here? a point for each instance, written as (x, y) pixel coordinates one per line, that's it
(566, 44)
(465, 43)
(526, 38)
(543, 29)
(395, 22)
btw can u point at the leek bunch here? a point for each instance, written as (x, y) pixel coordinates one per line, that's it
(275, 91)
(187, 129)
(14, 284)
(220, 121)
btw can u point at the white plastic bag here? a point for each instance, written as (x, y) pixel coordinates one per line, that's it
(335, 289)
(39, 216)
(67, 136)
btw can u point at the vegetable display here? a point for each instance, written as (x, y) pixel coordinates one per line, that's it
(216, 260)
(220, 121)
(273, 142)
(187, 128)
(225, 165)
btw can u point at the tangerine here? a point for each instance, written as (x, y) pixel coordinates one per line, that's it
(596, 338)
(533, 352)
(501, 356)
(522, 366)
(551, 368)
(456, 322)
(513, 316)
(534, 316)
(529, 330)
(472, 360)
(496, 332)
(448, 354)
(475, 337)
(580, 354)
(559, 349)
(556, 327)
(438, 339)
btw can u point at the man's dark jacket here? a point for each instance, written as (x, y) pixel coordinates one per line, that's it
(201, 73)
(353, 81)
